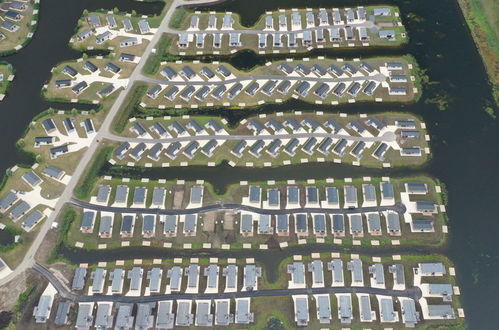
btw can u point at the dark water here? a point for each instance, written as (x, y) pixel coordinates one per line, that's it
(464, 137)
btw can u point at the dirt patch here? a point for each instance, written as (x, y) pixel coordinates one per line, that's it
(178, 197)
(209, 222)
(229, 221)
(10, 292)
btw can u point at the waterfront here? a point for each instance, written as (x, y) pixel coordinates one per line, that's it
(464, 137)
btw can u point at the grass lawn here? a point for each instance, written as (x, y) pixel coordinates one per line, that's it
(6, 70)
(27, 25)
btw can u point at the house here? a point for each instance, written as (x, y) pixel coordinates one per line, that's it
(128, 42)
(192, 273)
(230, 274)
(154, 277)
(98, 276)
(355, 266)
(222, 312)
(90, 67)
(203, 316)
(250, 279)
(243, 314)
(70, 71)
(356, 226)
(111, 22)
(168, 72)
(430, 269)
(88, 222)
(422, 226)
(381, 12)
(209, 148)
(246, 227)
(80, 87)
(184, 316)
(144, 26)
(316, 268)
(84, 318)
(202, 93)
(125, 57)
(121, 150)
(377, 275)
(322, 91)
(239, 148)
(301, 310)
(191, 149)
(9, 200)
(103, 37)
(336, 268)
(297, 272)
(393, 223)
(144, 318)
(374, 223)
(173, 149)
(380, 151)
(256, 148)
(398, 276)
(165, 318)
(211, 273)
(284, 87)
(32, 220)
(175, 276)
(42, 311)
(19, 210)
(410, 317)
(387, 312)
(339, 90)
(345, 313)
(186, 95)
(103, 317)
(94, 20)
(252, 88)
(172, 93)
(124, 318)
(387, 34)
(9, 26)
(138, 151)
(154, 92)
(234, 39)
(366, 313)
(155, 151)
(233, 91)
(354, 89)
(84, 34)
(127, 24)
(106, 226)
(113, 68)
(32, 178)
(62, 83)
(106, 91)
(190, 224)
(227, 21)
(62, 313)
(440, 312)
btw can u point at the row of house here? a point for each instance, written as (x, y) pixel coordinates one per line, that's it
(160, 281)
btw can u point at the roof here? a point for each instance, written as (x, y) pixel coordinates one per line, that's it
(124, 318)
(32, 219)
(170, 223)
(84, 318)
(301, 310)
(320, 222)
(355, 265)
(135, 276)
(373, 219)
(338, 222)
(432, 268)
(32, 178)
(282, 222)
(246, 223)
(350, 194)
(356, 223)
(316, 268)
(378, 273)
(165, 317)
(255, 194)
(222, 312)
(144, 318)
(398, 273)
(345, 308)
(8, 200)
(149, 222)
(230, 272)
(121, 193)
(190, 222)
(443, 311)
(117, 276)
(139, 196)
(20, 209)
(301, 222)
(203, 316)
(184, 316)
(154, 276)
(87, 222)
(387, 190)
(409, 313)
(42, 310)
(387, 312)
(312, 194)
(393, 221)
(127, 224)
(175, 275)
(103, 318)
(251, 273)
(196, 194)
(243, 314)
(192, 272)
(369, 192)
(211, 272)
(61, 316)
(264, 223)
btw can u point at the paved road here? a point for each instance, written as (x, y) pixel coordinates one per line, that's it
(398, 207)
(86, 157)
(413, 292)
(325, 79)
(386, 137)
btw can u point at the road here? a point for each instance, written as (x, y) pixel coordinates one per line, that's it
(398, 207)
(324, 79)
(413, 292)
(86, 157)
(386, 137)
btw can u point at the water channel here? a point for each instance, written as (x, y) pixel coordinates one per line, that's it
(464, 138)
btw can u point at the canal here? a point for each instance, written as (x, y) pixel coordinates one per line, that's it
(464, 138)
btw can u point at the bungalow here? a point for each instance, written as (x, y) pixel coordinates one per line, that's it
(172, 93)
(369, 89)
(155, 151)
(42, 311)
(230, 274)
(168, 73)
(233, 91)
(21, 209)
(203, 316)
(387, 312)
(111, 22)
(170, 222)
(222, 312)
(144, 26)
(124, 57)
(184, 316)
(84, 34)
(9, 200)
(127, 226)
(339, 90)
(355, 266)
(322, 91)
(173, 149)
(316, 268)
(57, 151)
(106, 91)
(252, 88)
(209, 148)
(62, 83)
(43, 141)
(356, 226)
(243, 314)
(387, 34)
(98, 276)
(13, 15)
(106, 226)
(302, 89)
(94, 20)
(239, 148)
(345, 313)
(127, 24)
(202, 93)
(9, 26)
(284, 87)
(256, 148)
(53, 172)
(165, 318)
(113, 68)
(138, 151)
(301, 310)
(222, 69)
(234, 39)
(103, 37)
(338, 225)
(301, 224)
(32, 220)
(121, 150)
(127, 42)
(154, 92)
(70, 71)
(80, 87)
(334, 34)
(379, 153)
(90, 67)
(323, 306)
(354, 89)
(88, 222)
(250, 278)
(336, 268)
(274, 148)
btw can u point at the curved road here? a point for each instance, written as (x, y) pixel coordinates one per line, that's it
(413, 292)
(398, 207)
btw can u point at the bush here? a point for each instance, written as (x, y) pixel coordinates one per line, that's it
(87, 183)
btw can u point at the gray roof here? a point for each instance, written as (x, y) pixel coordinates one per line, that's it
(320, 222)
(251, 273)
(32, 178)
(324, 145)
(211, 272)
(79, 279)
(184, 316)
(61, 316)
(301, 222)
(255, 194)
(148, 223)
(339, 148)
(393, 222)
(124, 318)
(356, 223)
(165, 317)
(203, 316)
(196, 194)
(239, 148)
(374, 222)
(264, 223)
(144, 318)
(8, 201)
(432, 268)
(350, 194)
(20, 210)
(42, 310)
(316, 268)
(127, 224)
(87, 222)
(121, 194)
(336, 266)
(398, 273)
(246, 223)
(243, 314)
(210, 147)
(293, 194)
(192, 272)
(387, 312)
(139, 196)
(282, 222)
(98, 277)
(417, 187)
(387, 190)
(32, 219)
(369, 192)
(338, 222)
(324, 308)
(53, 172)
(105, 224)
(378, 272)
(154, 276)
(170, 223)
(312, 194)
(301, 310)
(84, 318)
(117, 277)
(443, 289)
(103, 317)
(190, 222)
(345, 309)
(175, 276)
(297, 271)
(222, 312)
(443, 311)
(365, 308)
(355, 265)
(273, 197)
(144, 26)
(422, 225)
(411, 316)
(135, 277)
(103, 193)
(230, 272)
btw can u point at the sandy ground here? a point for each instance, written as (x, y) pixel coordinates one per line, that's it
(209, 221)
